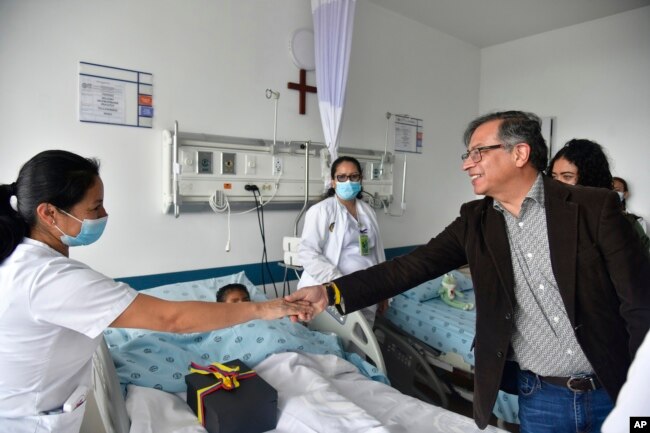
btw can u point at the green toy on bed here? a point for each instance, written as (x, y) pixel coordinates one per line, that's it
(451, 296)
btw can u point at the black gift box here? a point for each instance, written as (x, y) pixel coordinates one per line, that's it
(251, 408)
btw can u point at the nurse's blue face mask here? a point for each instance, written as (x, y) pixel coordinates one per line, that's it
(91, 230)
(348, 190)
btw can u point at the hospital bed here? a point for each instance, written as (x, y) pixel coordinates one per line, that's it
(421, 331)
(317, 392)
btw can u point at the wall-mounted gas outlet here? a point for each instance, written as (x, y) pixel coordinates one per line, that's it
(277, 166)
(228, 163)
(205, 162)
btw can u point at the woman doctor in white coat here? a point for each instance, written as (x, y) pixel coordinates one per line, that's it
(53, 309)
(341, 234)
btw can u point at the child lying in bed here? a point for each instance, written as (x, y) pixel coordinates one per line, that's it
(233, 293)
(160, 360)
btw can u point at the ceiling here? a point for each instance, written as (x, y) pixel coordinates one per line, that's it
(489, 22)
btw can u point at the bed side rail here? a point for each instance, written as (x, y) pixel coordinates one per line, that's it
(355, 332)
(105, 407)
(407, 366)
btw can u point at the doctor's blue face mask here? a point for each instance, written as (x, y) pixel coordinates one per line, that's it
(348, 190)
(91, 230)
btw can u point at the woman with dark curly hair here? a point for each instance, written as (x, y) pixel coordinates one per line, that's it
(581, 162)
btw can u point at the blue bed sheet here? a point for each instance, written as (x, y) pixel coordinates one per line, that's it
(161, 360)
(446, 329)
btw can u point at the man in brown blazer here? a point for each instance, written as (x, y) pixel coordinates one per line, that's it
(562, 283)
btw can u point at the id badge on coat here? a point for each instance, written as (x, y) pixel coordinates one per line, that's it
(364, 244)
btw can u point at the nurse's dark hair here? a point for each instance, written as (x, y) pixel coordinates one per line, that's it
(53, 176)
(516, 127)
(331, 191)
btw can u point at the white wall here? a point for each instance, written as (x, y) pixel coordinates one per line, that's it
(211, 61)
(594, 78)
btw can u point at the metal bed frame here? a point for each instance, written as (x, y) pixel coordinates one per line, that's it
(407, 362)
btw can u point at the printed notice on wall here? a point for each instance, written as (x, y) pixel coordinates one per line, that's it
(101, 100)
(408, 134)
(115, 95)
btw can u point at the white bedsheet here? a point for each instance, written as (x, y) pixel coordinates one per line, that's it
(316, 393)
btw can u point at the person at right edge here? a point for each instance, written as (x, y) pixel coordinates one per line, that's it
(561, 280)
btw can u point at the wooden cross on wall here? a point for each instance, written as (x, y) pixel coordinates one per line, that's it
(303, 88)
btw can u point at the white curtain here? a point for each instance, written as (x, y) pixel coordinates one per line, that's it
(333, 23)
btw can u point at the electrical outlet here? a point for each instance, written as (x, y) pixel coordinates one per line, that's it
(250, 164)
(277, 166)
(374, 169)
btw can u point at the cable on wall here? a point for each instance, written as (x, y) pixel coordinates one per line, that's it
(260, 219)
(219, 204)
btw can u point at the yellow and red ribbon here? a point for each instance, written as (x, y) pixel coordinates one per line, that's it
(227, 378)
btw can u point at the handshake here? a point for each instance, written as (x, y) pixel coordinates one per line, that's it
(304, 304)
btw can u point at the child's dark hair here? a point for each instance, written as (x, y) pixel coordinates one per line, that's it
(234, 287)
(54, 176)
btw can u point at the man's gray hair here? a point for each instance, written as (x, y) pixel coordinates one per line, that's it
(516, 127)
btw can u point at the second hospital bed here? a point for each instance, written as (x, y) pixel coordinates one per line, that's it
(419, 328)
(317, 391)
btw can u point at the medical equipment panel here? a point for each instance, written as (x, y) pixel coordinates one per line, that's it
(202, 168)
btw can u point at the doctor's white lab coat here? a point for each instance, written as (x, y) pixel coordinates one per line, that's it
(321, 244)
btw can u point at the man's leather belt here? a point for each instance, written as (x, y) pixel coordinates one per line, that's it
(574, 383)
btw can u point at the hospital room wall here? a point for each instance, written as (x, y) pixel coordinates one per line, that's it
(593, 79)
(211, 62)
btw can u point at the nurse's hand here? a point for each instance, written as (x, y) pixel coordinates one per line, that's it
(316, 296)
(278, 308)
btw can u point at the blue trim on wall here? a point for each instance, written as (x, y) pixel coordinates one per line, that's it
(253, 272)
(391, 253)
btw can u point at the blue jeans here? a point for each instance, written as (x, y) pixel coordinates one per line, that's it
(555, 409)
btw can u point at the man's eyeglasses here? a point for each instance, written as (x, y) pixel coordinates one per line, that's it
(475, 154)
(354, 177)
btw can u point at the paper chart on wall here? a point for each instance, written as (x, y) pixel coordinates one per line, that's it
(408, 134)
(115, 95)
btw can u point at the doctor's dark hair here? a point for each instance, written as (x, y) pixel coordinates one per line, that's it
(516, 127)
(591, 161)
(54, 176)
(331, 191)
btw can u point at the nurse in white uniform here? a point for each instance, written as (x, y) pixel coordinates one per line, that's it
(341, 234)
(53, 309)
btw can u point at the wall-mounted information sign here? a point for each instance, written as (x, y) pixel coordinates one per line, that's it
(408, 134)
(115, 95)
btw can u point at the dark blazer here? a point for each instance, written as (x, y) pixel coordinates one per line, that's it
(601, 269)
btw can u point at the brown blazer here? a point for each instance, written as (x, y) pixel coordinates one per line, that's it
(601, 269)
